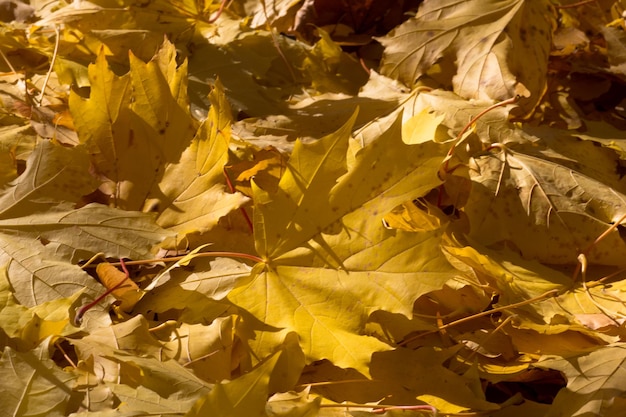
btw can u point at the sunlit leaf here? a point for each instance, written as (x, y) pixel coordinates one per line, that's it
(421, 257)
(28, 327)
(290, 404)
(44, 236)
(139, 117)
(207, 350)
(409, 369)
(247, 395)
(196, 293)
(331, 261)
(194, 188)
(243, 396)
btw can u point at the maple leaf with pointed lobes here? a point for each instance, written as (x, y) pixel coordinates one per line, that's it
(330, 261)
(562, 192)
(143, 116)
(247, 395)
(138, 116)
(331, 275)
(407, 368)
(193, 189)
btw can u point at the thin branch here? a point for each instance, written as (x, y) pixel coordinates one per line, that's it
(546, 295)
(219, 12)
(577, 4)
(199, 255)
(459, 138)
(6, 60)
(54, 57)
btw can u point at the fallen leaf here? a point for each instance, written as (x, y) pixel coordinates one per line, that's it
(37, 386)
(207, 350)
(616, 53)
(141, 400)
(138, 117)
(193, 189)
(293, 404)
(593, 381)
(28, 327)
(559, 204)
(104, 343)
(423, 127)
(490, 43)
(379, 249)
(421, 372)
(245, 395)
(196, 292)
(44, 236)
(328, 268)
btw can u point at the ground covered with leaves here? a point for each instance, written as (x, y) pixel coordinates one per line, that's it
(313, 208)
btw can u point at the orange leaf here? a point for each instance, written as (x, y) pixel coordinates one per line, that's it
(128, 292)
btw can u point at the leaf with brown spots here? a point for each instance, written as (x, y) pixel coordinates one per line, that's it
(145, 144)
(135, 124)
(549, 198)
(490, 42)
(192, 196)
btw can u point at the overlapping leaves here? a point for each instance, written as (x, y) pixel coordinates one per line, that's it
(366, 250)
(44, 235)
(327, 266)
(490, 43)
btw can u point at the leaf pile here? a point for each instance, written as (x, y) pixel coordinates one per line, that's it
(417, 209)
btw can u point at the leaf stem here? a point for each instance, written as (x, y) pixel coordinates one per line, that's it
(549, 294)
(219, 12)
(65, 355)
(582, 258)
(54, 57)
(93, 259)
(242, 209)
(379, 409)
(444, 166)
(577, 4)
(6, 61)
(489, 336)
(82, 310)
(198, 255)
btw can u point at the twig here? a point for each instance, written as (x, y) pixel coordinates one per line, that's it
(219, 12)
(199, 255)
(54, 57)
(65, 355)
(582, 258)
(548, 294)
(6, 60)
(82, 310)
(580, 3)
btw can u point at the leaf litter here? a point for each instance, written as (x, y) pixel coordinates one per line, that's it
(323, 228)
